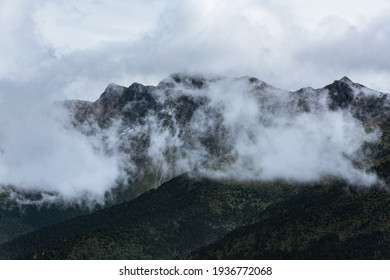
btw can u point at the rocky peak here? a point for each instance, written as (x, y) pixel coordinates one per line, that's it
(113, 90)
(340, 93)
(345, 80)
(137, 88)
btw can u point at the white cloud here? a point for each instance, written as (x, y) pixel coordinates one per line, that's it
(114, 41)
(270, 140)
(72, 25)
(71, 49)
(39, 152)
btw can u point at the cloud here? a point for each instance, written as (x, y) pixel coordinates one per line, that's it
(56, 50)
(270, 138)
(359, 50)
(249, 131)
(40, 153)
(84, 46)
(240, 130)
(72, 25)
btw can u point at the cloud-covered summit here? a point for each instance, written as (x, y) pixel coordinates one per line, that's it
(241, 128)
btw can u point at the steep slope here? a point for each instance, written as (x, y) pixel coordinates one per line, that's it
(178, 217)
(329, 223)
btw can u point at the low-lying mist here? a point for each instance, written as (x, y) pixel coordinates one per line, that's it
(222, 127)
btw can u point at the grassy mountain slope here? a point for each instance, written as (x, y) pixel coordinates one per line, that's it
(178, 217)
(318, 223)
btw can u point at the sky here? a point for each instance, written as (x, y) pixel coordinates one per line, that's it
(76, 47)
(57, 49)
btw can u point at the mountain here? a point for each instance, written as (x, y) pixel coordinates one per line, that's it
(290, 169)
(190, 122)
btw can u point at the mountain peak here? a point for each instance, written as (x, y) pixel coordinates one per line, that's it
(137, 87)
(113, 89)
(341, 93)
(345, 79)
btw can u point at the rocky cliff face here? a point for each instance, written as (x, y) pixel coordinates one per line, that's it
(189, 122)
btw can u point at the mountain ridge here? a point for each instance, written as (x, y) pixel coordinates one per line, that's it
(178, 100)
(198, 81)
(341, 92)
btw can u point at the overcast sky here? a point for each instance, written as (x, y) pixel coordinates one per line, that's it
(77, 47)
(57, 49)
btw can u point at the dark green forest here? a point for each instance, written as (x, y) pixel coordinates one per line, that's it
(168, 222)
(210, 219)
(318, 223)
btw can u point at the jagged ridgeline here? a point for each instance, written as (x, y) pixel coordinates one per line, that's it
(238, 128)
